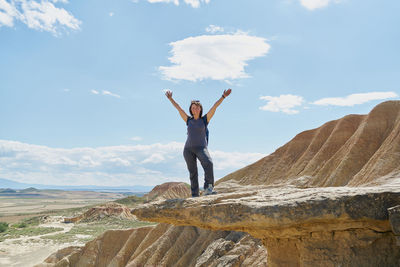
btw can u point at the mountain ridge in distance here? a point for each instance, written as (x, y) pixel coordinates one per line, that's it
(6, 183)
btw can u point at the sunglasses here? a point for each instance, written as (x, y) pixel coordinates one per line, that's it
(195, 102)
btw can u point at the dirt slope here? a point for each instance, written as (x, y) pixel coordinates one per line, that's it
(110, 209)
(169, 190)
(355, 150)
(164, 245)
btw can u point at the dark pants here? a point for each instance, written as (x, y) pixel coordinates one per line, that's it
(191, 155)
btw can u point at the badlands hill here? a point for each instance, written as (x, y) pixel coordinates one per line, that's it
(329, 197)
(163, 245)
(112, 210)
(169, 191)
(355, 150)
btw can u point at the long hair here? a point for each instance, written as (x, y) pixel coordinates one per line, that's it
(197, 103)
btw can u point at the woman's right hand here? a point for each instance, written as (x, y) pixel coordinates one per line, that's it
(168, 93)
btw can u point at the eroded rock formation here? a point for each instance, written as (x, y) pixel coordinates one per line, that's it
(169, 191)
(164, 245)
(110, 209)
(320, 200)
(336, 226)
(355, 150)
(329, 197)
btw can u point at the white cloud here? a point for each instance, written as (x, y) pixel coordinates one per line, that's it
(193, 3)
(315, 4)
(287, 103)
(282, 103)
(216, 57)
(7, 13)
(154, 158)
(111, 14)
(136, 138)
(43, 16)
(176, 2)
(236, 160)
(196, 3)
(126, 164)
(105, 92)
(109, 166)
(213, 29)
(354, 99)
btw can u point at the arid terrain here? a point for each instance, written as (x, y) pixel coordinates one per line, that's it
(329, 197)
(36, 222)
(17, 204)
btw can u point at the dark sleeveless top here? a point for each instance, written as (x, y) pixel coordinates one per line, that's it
(196, 132)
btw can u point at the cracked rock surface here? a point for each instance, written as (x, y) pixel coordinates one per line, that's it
(328, 226)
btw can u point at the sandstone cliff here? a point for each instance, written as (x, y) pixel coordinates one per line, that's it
(164, 245)
(355, 150)
(340, 226)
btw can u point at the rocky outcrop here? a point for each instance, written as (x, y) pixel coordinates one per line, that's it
(110, 209)
(164, 245)
(340, 226)
(169, 190)
(355, 150)
(394, 218)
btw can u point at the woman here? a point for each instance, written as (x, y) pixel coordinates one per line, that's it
(197, 141)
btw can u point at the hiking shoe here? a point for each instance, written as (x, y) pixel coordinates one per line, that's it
(209, 190)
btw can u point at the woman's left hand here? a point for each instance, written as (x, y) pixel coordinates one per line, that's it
(227, 92)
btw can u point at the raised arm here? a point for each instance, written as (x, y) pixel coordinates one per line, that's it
(184, 116)
(211, 112)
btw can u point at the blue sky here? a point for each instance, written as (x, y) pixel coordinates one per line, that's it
(81, 82)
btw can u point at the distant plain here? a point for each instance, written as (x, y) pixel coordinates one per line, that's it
(36, 227)
(23, 203)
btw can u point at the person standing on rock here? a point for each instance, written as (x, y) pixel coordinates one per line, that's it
(197, 142)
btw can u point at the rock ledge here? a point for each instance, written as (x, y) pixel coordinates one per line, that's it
(308, 227)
